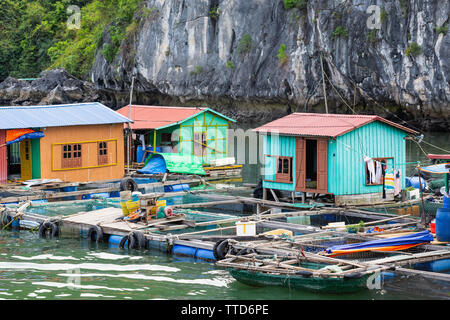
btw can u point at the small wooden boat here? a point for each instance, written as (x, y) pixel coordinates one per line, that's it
(294, 281)
(296, 273)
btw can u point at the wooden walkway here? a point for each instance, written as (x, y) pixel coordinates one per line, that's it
(109, 220)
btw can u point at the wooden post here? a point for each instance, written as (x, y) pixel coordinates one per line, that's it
(423, 220)
(274, 195)
(264, 194)
(129, 127)
(323, 82)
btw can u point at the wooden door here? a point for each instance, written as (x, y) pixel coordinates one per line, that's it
(25, 160)
(322, 166)
(300, 164)
(200, 144)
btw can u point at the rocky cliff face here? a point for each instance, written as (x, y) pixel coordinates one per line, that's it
(257, 59)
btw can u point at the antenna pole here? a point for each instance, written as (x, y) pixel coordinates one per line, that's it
(323, 81)
(129, 127)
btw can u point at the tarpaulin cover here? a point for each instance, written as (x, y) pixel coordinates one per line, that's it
(437, 168)
(17, 135)
(155, 165)
(391, 244)
(173, 162)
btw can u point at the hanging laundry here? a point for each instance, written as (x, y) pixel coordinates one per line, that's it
(378, 173)
(389, 179)
(142, 139)
(397, 182)
(371, 168)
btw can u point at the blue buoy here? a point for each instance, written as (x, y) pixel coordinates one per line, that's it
(443, 221)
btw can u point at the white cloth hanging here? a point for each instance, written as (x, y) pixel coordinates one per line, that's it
(371, 168)
(378, 173)
(142, 139)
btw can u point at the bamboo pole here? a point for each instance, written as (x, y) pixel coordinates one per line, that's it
(323, 83)
(368, 223)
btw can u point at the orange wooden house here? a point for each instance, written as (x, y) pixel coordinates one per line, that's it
(75, 143)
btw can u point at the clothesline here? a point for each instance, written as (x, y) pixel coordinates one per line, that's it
(361, 154)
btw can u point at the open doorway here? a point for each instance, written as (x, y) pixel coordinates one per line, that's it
(13, 156)
(20, 160)
(311, 164)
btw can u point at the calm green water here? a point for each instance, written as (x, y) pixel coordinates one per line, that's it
(72, 268)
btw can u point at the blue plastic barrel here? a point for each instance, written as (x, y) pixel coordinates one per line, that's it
(140, 153)
(414, 182)
(177, 187)
(443, 221)
(15, 224)
(69, 189)
(114, 241)
(184, 250)
(434, 266)
(205, 254)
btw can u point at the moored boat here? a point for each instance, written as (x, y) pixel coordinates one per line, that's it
(302, 282)
(295, 272)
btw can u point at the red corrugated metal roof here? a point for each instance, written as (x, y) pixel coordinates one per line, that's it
(152, 117)
(439, 156)
(323, 125)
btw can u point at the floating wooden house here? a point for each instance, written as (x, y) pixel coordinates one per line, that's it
(334, 154)
(200, 132)
(75, 143)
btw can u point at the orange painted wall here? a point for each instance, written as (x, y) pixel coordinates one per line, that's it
(88, 137)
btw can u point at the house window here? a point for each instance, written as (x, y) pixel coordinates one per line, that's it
(284, 169)
(166, 139)
(71, 156)
(103, 153)
(375, 170)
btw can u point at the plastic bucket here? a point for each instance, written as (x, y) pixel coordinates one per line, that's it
(433, 226)
(247, 228)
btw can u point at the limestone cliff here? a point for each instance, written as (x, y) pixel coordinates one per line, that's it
(258, 59)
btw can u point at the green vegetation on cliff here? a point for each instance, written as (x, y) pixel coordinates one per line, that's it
(35, 35)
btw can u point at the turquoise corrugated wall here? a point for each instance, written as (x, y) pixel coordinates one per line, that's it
(346, 167)
(217, 135)
(285, 146)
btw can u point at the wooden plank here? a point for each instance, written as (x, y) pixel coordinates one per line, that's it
(203, 204)
(425, 274)
(57, 195)
(405, 259)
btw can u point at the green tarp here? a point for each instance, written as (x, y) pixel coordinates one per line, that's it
(179, 163)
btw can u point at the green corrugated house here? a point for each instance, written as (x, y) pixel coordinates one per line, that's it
(355, 158)
(200, 132)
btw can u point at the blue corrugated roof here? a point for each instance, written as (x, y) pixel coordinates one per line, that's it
(58, 116)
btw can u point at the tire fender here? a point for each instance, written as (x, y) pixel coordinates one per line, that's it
(128, 184)
(95, 234)
(137, 240)
(222, 249)
(48, 226)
